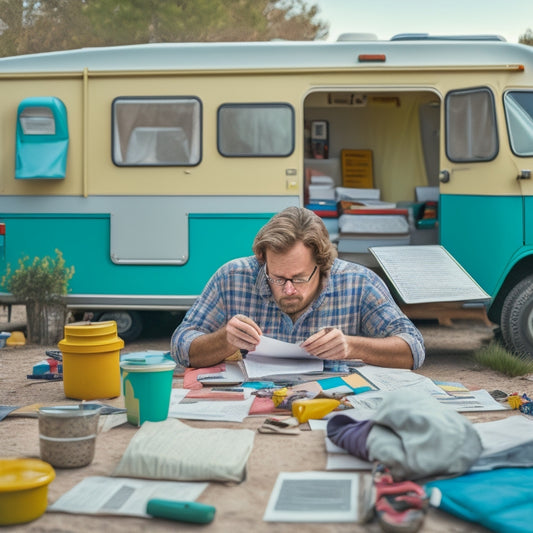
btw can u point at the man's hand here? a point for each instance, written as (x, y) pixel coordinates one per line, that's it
(328, 343)
(243, 333)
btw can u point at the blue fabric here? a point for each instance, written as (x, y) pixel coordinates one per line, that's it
(350, 434)
(353, 299)
(501, 500)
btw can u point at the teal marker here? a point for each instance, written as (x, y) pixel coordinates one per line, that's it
(194, 512)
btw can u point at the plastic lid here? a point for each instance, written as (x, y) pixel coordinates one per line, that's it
(147, 357)
(89, 345)
(85, 329)
(148, 364)
(24, 474)
(68, 411)
(146, 354)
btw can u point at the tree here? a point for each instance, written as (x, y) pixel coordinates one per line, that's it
(526, 38)
(44, 25)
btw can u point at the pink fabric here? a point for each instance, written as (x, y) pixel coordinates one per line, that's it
(262, 406)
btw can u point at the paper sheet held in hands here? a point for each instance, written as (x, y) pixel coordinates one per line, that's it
(273, 348)
(272, 357)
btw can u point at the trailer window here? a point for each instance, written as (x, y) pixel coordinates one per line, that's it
(255, 130)
(519, 113)
(471, 126)
(156, 131)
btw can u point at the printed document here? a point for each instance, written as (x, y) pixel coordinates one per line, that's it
(314, 497)
(218, 410)
(122, 496)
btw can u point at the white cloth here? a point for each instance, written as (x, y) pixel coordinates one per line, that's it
(173, 450)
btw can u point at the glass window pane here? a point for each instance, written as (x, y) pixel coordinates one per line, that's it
(156, 131)
(519, 113)
(471, 126)
(38, 121)
(256, 130)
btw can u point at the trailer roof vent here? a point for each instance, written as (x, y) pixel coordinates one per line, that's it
(357, 37)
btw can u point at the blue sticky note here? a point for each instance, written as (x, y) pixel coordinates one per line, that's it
(332, 383)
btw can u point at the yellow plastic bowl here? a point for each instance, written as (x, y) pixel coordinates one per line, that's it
(23, 489)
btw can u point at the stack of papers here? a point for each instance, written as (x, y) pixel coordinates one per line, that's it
(321, 188)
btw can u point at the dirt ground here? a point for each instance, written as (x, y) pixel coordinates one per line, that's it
(239, 507)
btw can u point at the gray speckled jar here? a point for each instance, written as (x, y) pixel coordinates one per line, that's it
(67, 434)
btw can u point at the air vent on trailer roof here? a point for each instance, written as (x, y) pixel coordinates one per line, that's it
(357, 37)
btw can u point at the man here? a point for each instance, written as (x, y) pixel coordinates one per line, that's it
(295, 289)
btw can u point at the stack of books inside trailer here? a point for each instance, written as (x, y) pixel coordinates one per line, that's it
(322, 199)
(355, 215)
(365, 221)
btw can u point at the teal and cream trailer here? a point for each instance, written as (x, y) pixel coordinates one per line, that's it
(148, 166)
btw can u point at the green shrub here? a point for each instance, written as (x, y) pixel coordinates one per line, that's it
(496, 357)
(41, 285)
(43, 280)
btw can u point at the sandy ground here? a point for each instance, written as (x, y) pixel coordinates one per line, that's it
(239, 508)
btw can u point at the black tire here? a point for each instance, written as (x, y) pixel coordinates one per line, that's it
(517, 318)
(129, 323)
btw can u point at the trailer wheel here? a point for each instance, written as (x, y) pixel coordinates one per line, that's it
(517, 318)
(129, 323)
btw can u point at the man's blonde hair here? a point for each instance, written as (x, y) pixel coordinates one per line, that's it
(292, 225)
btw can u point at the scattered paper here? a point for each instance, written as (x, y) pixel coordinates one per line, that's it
(317, 425)
(389, 379)
(314, 497)
(218, 410)
(364, 405)
(231, 375)
(477, 400)
(499, 435)
(122, 496)
(345, 461)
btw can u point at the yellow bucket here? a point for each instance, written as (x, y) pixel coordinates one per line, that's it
(91, 360)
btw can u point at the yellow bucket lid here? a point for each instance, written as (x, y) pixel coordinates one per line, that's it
(23, 474)
(89, 329)
(94, 346)
(16, 339)
(91, 337)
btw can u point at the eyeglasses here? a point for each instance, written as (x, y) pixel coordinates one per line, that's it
(295, 281)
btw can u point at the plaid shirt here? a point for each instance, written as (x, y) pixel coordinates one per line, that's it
(353, 299)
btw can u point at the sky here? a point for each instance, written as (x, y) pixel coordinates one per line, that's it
(385, 18)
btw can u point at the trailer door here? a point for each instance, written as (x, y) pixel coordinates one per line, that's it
(519, 116)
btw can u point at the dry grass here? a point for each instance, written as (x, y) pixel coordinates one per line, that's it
(496, 357)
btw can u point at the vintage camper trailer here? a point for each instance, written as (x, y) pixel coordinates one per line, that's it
(150, 165)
